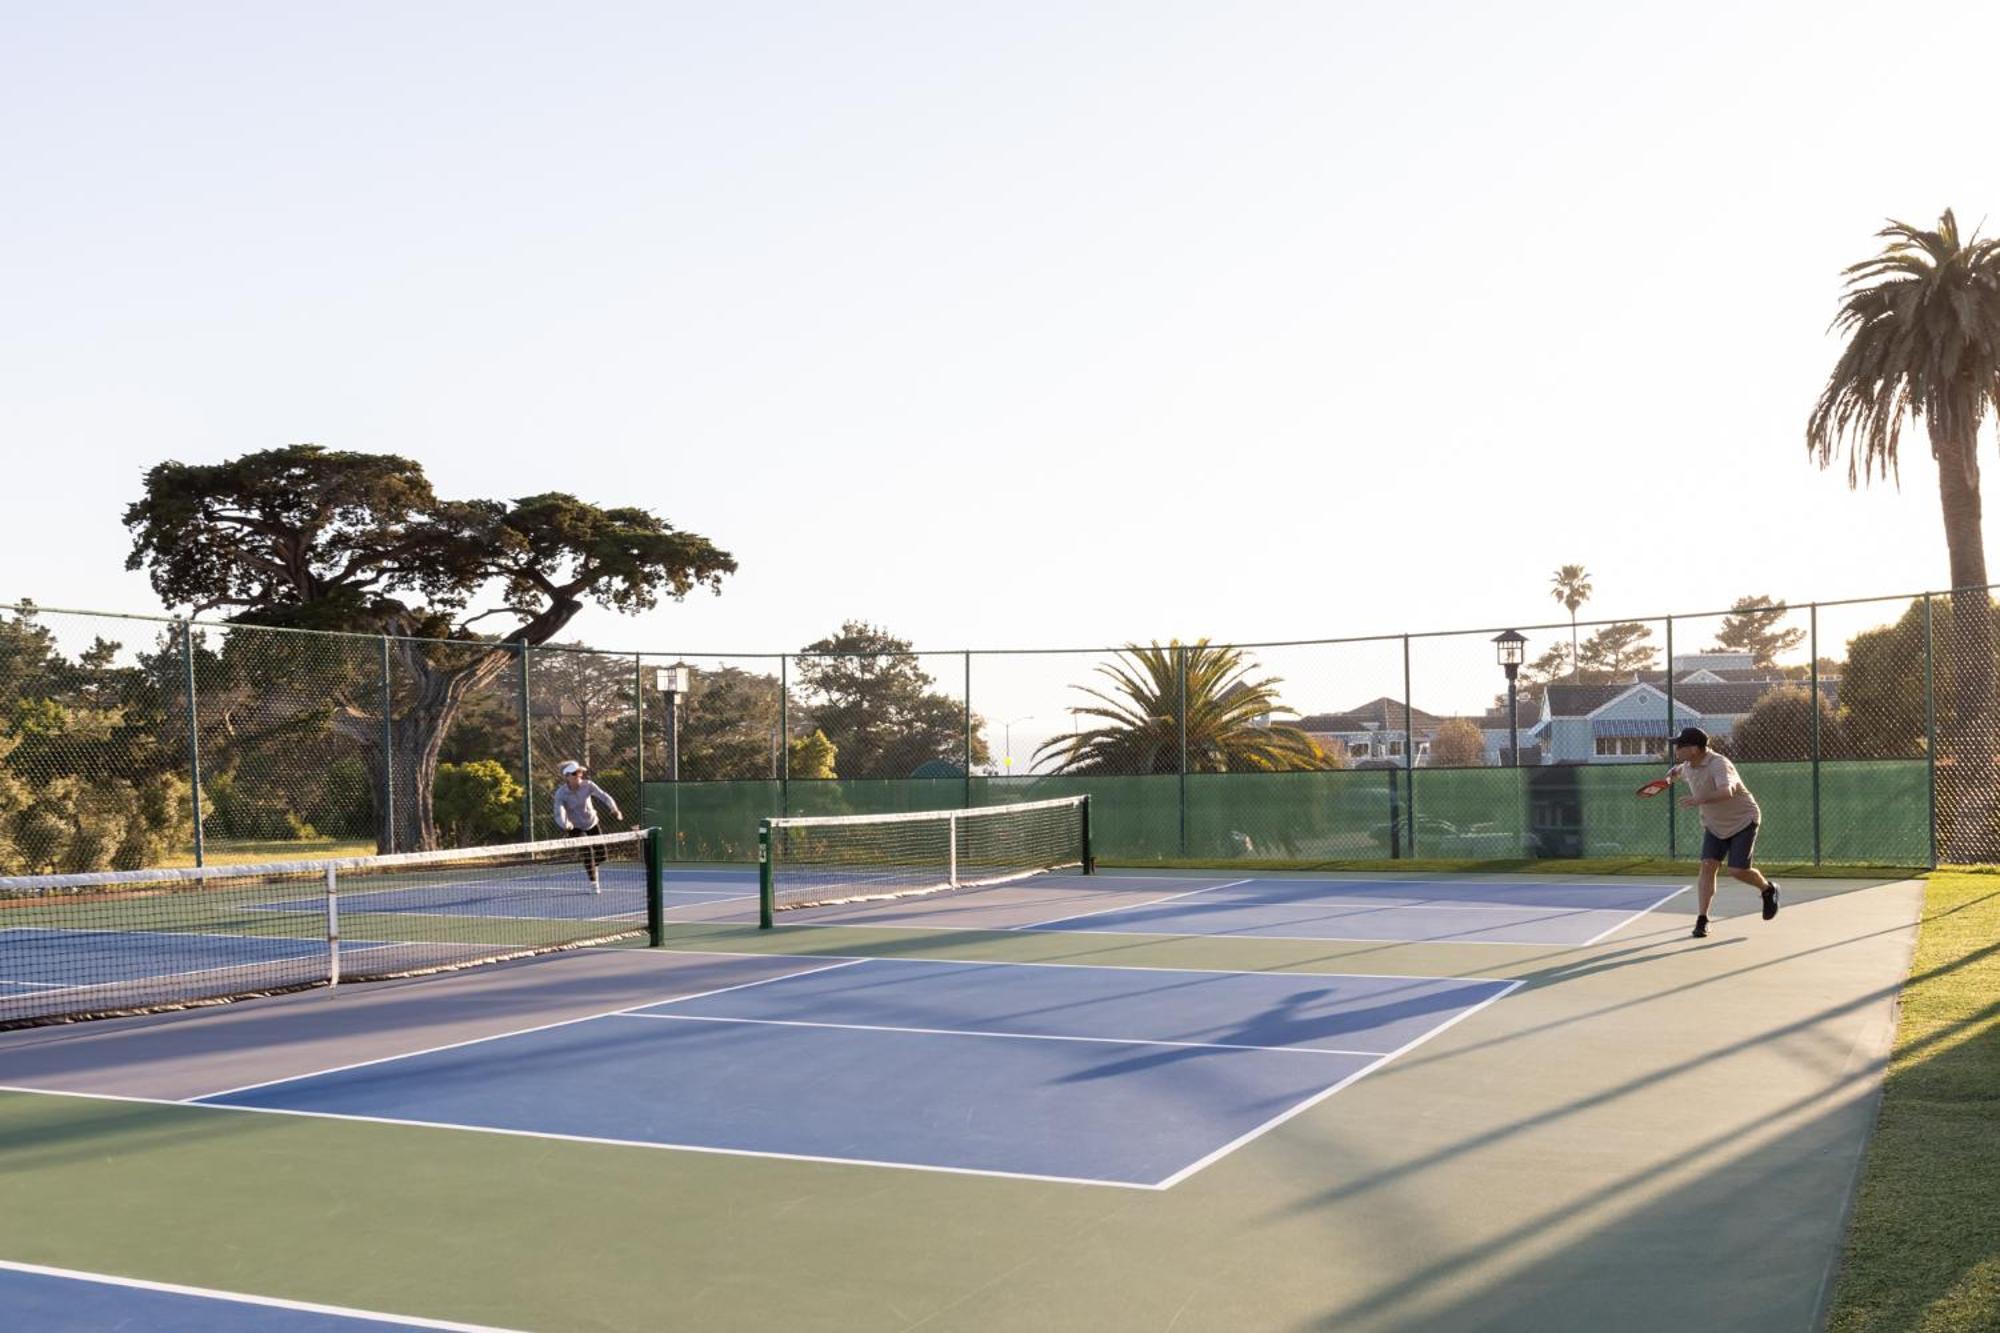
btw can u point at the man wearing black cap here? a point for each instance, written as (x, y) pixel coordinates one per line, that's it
(1729, 815)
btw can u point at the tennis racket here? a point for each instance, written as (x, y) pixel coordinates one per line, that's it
(1658, 785)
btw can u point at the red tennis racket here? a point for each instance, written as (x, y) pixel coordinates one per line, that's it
(1656, 786)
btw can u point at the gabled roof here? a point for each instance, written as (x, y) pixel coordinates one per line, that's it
(1383, 714)
(1701, 698)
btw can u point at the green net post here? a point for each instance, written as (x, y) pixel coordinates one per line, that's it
(656, 887)
(766, 899)
(1813, 624)
(1089, 860)
(194, 734)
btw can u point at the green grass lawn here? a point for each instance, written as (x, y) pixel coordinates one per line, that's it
(219, 853)
(1923, 1249)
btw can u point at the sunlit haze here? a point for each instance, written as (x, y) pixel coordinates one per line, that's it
(997, 325)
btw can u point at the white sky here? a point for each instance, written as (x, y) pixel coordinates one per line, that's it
(999, 324)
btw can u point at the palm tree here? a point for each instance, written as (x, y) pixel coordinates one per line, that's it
(1571, 587)
(1228, 717)
(1922, 322)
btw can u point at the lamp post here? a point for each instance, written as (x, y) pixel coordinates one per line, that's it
(1509, 648)
(673, 681)
(1008, 727)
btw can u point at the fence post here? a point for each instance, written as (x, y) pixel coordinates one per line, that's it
(1180, 711)
(1409, 764)
(527, 756)
(388, 758)
(968, 731)
(1930, 727)
(639, 718)
(784, 734)
(1814, 624)
(1673, 844)
(194, 734)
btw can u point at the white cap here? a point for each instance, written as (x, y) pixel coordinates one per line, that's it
(570, 766)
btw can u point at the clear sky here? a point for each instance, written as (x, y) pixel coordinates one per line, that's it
(997, 324)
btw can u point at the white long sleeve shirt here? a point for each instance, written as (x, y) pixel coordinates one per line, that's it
(573, 807)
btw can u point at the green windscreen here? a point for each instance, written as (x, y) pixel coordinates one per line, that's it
(1869, 812)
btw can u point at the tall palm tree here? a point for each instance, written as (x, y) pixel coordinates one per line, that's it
(1228, 717)
(1922, 322)
(1571, 587)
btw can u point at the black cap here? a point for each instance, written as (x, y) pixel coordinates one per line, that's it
(1694, 736)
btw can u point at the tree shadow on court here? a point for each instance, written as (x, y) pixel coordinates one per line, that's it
(1650, 1266)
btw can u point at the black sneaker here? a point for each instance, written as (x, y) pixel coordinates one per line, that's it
(1701, 928)
(1771, 900)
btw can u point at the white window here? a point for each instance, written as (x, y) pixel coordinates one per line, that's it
(1358, 749)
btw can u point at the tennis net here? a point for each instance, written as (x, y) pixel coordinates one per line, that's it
(120, 942)
(825, 860)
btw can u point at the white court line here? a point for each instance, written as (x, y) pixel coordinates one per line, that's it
(1634, 917)
(517, 1032)
(1295, 939)
(243, 1298)
(975, 1032)
(1100, 967)
(1318, 1097)
(1150, 902)
(226, 1108)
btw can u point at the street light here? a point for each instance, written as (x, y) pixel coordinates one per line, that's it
(1008, 725)
(1509, 648)
(673, 681)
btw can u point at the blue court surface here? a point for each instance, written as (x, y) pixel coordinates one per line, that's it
(1097, 1075)
(36, 960)
(54, 1300)
(1401, 909)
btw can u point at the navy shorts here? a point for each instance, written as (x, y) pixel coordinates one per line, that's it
(1735, 849)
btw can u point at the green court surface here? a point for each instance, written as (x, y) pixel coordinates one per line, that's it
(1653, 1132)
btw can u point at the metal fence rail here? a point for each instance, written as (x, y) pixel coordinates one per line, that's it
(1867, 727)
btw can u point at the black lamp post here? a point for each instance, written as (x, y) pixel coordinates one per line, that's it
(1509, 648)
(673, 681)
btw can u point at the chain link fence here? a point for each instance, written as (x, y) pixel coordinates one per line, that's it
(1866, 728)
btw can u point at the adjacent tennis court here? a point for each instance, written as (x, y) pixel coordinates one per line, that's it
(961, 1083)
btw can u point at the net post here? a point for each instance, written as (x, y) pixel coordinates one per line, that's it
(951, 837)
(332, 927)
(766, 900)
(656, 887)
(1089, 859)
(194, 735)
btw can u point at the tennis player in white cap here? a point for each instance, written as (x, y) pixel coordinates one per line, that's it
(576, 814)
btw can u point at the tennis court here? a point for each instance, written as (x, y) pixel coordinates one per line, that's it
(1128, 1099)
